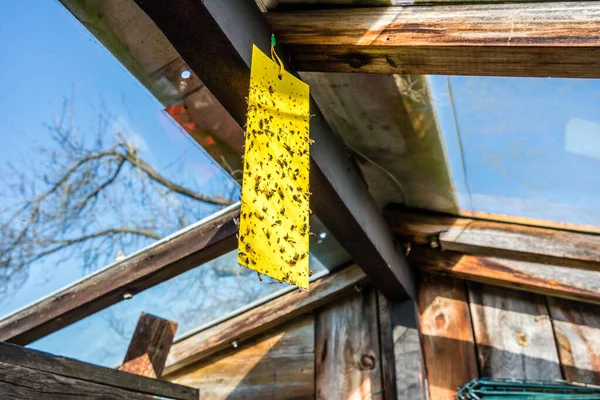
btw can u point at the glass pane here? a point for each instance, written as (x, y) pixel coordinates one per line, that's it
(192, 299)
(92, 167)
(523, 147)
(98, 166)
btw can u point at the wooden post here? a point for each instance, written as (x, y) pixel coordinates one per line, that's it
(401, 355)
(149, 347)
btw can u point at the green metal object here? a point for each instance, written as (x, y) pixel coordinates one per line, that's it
(498, 389)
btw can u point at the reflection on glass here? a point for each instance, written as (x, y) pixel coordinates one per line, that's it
(92, 168)
(523, 147)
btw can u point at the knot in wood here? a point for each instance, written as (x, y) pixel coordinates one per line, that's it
(440, 321)
(357, 60)
(522, 339)
(367, 362)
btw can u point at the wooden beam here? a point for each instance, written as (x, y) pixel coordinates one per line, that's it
(498, 239)
(26, 383)
(215, 39)
(149, 346)
(524, 243)
(551, 280)
(542, 39)
(567, 263)
(33, 360)
(260, 319)
(160, 261)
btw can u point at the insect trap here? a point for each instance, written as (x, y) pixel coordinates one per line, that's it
(274, 229)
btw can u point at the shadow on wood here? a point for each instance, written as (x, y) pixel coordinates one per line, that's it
(279, 364)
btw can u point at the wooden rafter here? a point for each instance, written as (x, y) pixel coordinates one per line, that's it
(215, 39)
(548, 261)
(499, 239)
(162, 260)
(542, 39)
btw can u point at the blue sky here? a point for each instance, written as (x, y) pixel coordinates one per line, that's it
(48, 56)
(528, 147)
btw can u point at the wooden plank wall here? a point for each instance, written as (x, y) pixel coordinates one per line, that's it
(363, 346)
(472, 330)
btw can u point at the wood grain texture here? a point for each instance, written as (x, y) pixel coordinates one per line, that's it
(535, 39)
(498, 239)
(405, 352)
(348, 363)
(386, 348)
(553, 280)
(304, 4)
(145, 269)
(24, 383)
(279, 364)
(577, 330)
(524, 243)
(513, 334)
(447, 336)
(149, 347)
(216, 38)
(261, 319)
(357, 107)
(36, 360)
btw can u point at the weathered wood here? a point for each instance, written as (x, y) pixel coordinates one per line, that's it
(513, 334)
(348, 364)
(552, 280)
(357, 107)
(499, 239)
(386, 347)
(215, 38)
(577, 331)
(163, 260)
(24, 383)
(55, 365)
(260, 319)
(534, 39)
(402, 358)
(291, 4)
(149, 346)
(279, 364)
(447, 336)
(418, 228)
(524, 243)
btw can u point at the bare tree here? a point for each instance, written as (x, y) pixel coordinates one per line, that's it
(90, 196)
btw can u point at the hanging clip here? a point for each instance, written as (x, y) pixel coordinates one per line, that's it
(275, 57)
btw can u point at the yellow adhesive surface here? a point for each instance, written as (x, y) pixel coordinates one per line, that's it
(274, 230)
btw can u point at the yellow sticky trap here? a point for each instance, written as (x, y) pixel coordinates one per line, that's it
(274, 231)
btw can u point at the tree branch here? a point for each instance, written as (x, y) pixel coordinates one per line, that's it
(152, 174)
